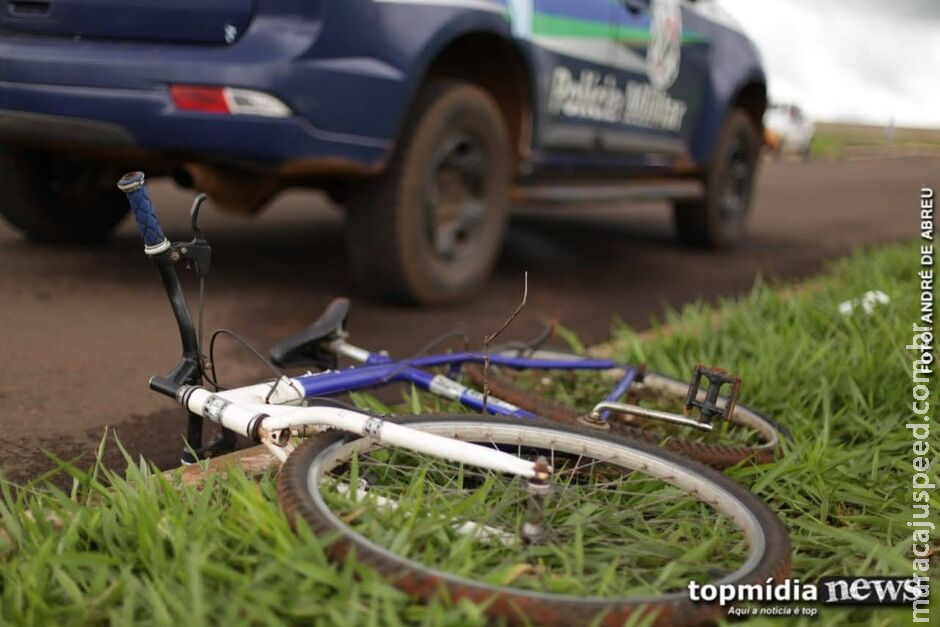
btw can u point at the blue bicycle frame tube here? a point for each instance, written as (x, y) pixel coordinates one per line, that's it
(380, 370)
(519, 363)
(338, 382)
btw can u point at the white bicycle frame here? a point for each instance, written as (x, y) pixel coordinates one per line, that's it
(245, 411)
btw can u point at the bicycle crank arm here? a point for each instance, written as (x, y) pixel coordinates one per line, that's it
(636, 410)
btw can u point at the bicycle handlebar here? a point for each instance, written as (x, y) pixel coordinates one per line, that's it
(133, 185)
(189, 370)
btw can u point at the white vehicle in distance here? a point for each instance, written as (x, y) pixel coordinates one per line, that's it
(788, 130)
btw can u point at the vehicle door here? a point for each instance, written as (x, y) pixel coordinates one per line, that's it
(570, 44)
(660, 65)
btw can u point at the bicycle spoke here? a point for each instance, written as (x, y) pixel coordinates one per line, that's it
(605, 527)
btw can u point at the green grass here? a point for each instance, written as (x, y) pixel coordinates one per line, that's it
(834, 142)
(146, 551)
(609, 533)
(832, 146)
(843, 387)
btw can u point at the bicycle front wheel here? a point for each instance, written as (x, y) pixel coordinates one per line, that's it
(622, 530)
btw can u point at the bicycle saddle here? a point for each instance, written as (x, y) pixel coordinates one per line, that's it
(310, 347)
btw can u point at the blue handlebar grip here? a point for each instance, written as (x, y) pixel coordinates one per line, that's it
(133, 185)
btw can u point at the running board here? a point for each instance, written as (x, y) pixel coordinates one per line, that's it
(663, 189)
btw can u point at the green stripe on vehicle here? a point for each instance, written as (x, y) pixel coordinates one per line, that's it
(548, 25)
(556, 26)
(640, 35)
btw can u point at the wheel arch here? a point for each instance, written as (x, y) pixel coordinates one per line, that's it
(492, 61)
(736, 78)
(751, 98)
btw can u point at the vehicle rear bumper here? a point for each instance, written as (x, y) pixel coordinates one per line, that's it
(106, 119)
(111, 93)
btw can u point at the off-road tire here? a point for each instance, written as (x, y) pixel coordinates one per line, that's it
(387, 220)
(703, 223)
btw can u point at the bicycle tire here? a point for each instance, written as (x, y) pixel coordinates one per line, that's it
(768, 553)
(716, 455)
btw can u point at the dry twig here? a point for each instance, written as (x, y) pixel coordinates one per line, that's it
(490, 338)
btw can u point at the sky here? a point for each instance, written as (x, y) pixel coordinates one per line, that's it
(850, 60)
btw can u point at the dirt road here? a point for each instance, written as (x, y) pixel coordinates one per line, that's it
(82, 330)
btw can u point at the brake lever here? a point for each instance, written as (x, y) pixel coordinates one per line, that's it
(197, 251)
(194, 217)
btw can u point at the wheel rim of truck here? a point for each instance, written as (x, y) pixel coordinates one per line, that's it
(734, 201)
(456, 196)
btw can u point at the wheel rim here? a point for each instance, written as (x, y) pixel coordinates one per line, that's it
(360, 523)
(735, 197)
(455, 197)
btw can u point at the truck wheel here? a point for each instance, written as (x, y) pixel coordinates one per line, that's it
(719, 219)
(430, 228)
(52, 199)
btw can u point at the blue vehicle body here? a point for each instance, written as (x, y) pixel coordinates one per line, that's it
(348, 71)
(602, 99)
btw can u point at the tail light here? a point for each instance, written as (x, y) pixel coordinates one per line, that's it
(227, 101)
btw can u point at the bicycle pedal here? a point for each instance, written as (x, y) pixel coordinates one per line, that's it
(717, 379)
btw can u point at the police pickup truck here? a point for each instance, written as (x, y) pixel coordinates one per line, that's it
(425, 119)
